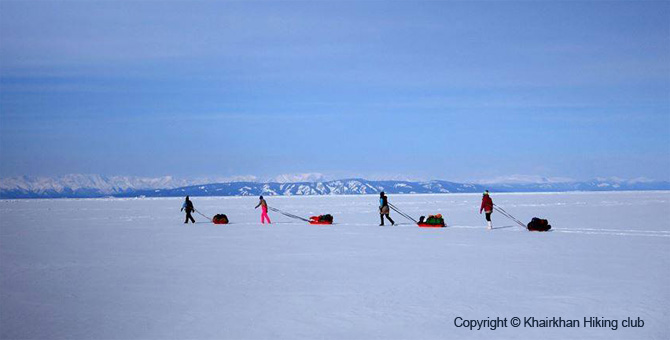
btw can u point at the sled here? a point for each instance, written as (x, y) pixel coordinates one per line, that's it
(321, 219)
(433, 221)
(426, 225)
(220, 219)
(538, 224)
(320, 222)
(541, 230)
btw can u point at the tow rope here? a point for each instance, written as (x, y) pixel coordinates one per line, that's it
(402, 213)
(203, 215)
(508, 215)
(288, 214)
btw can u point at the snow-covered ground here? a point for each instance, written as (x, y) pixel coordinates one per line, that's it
(130, 269)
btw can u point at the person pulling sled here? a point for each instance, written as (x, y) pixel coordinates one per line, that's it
(384, 209)
(188, 207)
(487, 207)
(264, 210)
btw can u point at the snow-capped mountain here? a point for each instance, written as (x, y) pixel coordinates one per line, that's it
(338, 187)
(297, 178)
(82, 186)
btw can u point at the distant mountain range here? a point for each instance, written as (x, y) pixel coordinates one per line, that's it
(90, 186)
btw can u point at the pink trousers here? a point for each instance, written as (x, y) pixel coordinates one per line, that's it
(264, 216)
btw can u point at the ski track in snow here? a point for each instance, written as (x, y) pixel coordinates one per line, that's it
(130, 269)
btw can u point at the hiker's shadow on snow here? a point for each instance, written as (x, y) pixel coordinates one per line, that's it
(503, 227)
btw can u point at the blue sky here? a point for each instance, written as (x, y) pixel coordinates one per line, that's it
(445, 90)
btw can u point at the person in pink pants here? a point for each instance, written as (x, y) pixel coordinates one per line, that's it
(264, 210)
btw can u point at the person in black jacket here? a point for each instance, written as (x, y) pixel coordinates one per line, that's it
(384, 209)
(188, 206)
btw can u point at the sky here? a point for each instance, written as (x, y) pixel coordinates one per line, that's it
(436, 90)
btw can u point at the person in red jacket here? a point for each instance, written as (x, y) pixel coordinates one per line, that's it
(487, 207)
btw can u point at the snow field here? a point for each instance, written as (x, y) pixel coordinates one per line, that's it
(129, 268)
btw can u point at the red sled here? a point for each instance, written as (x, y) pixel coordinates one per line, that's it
(426, 225)
(322, 222)
(220, 219)
(321, 219)
(433, 221)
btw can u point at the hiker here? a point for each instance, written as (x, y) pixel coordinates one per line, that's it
(384, 209)
(264, 210)
(188, 206)
(487, 207)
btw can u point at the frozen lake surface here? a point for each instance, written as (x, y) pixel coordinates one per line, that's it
(130, 268)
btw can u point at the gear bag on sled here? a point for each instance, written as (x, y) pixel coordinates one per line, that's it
(433, 221)
(538, 224)
(220, 219)
(321, 219)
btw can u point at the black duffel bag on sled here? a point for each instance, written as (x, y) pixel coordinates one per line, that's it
(538, 224)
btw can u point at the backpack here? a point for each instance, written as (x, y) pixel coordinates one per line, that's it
(538, 224)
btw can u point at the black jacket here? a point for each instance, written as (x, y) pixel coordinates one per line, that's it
(188, 205)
